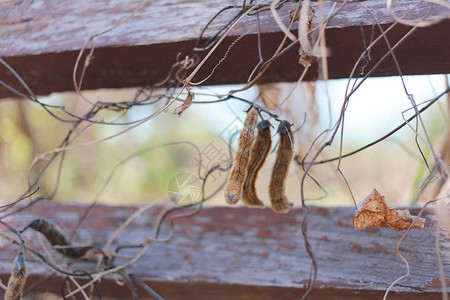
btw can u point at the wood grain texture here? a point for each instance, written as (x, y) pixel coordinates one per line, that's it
(240, 253)
(61, 25)
(41, 39)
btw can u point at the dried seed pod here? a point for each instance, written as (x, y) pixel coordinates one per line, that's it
(55, 237)
(17, 279)
(258, 155)
(280, 171)
(233, 189)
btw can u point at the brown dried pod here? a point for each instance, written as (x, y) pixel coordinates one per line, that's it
(285, 153)
(17, 279)
(55, 237)
(375, 212)
(233, 189)
(258, 155)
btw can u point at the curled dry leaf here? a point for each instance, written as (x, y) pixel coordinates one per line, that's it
(187, 102)
(401, 219)
(375, 212)
(368, 218)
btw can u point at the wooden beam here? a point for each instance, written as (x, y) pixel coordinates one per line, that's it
(244, 253)
(41, 41)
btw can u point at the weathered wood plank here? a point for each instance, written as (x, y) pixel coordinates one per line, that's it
(41, 39)
(240, 253)
(57, 26)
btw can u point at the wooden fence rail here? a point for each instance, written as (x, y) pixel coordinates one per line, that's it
(243, 253)
(220, 253)
(41, 41)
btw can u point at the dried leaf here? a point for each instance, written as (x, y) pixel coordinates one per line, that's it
(368, 218)
(178, 110)
(401, 219)
(374, 202)
(375, 212)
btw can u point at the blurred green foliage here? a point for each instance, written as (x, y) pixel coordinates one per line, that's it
(26, 130)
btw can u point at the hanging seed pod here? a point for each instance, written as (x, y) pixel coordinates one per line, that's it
(280, 171)
(233, 189)
(55, 237)
(258, 155)
(17, 279)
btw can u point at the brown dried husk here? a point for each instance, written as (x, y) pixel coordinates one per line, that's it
(375, 212)
(368, 218)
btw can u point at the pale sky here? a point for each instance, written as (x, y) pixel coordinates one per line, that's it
(374, 109)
